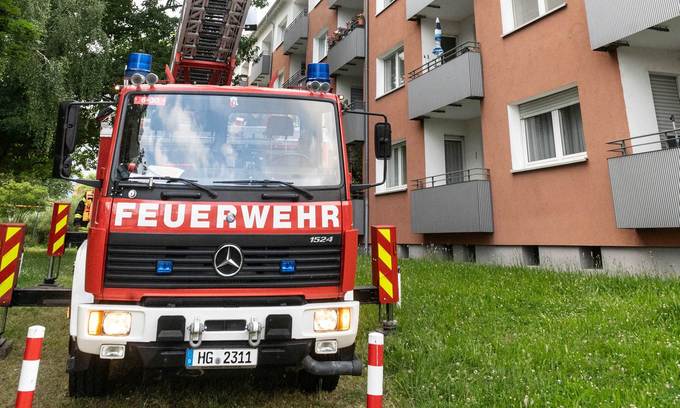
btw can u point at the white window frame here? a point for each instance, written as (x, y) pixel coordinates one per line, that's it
(518, 139)
(508, 15)
(381, 5)
(281, 31)
(380, 72)
(379, 165)
(316, 54)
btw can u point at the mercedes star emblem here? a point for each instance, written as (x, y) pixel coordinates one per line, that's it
(228, 260)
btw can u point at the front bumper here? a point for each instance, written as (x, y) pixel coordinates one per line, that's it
(162, 346)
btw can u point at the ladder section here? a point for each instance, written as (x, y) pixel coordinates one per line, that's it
(207, 41)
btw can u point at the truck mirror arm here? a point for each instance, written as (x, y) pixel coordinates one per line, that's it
(356, 188)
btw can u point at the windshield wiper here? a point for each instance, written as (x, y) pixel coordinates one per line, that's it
(187, 182)
(266, 183)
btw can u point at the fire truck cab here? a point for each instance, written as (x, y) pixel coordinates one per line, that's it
(221, 234)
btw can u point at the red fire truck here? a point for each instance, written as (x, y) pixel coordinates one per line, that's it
(221, 230)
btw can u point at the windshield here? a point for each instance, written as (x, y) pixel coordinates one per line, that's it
(209, 138)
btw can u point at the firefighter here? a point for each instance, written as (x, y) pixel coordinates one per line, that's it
(82, 214)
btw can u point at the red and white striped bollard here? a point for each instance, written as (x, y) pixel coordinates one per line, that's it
(29, 368)
(374, 388)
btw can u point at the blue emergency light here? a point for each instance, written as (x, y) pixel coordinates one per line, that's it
(287, 266)
(164, 267)
(318, 77)
(138, 63)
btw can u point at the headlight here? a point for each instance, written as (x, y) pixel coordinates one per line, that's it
(109, 323)
(325, 320)
(332, 319)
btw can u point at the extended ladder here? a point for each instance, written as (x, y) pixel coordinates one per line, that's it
(207, 41)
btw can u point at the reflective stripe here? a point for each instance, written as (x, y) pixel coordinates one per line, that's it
(11, 231)
(29, 375)
(7, 285)
(10, 256)
(58, 244)
(375, 381)
(386, 285)
(385, 256)
(60, 224)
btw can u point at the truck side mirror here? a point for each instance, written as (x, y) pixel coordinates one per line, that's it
(65, 139)
(383, 141)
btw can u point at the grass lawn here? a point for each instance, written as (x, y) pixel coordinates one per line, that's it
(469, 335)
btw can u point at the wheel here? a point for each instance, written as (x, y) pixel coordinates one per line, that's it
(88, 381)
(310, 383)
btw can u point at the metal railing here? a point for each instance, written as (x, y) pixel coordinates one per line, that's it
(356, 105)
(662, 141)
(449, 55)
(300, 15)
(296, 81)
(455, 177)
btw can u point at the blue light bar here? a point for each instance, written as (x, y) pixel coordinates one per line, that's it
(318, 72)
(164, 267)
(138, 63)
(287, 266)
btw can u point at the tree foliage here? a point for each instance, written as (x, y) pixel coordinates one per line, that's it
(53, 50)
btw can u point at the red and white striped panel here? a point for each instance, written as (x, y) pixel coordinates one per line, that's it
(374, 389)
(29, 368)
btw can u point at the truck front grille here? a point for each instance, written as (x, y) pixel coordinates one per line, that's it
(131, 261)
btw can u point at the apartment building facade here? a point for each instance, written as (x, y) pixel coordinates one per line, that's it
(545, 134)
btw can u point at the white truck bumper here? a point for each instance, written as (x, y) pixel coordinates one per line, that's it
(144, 323)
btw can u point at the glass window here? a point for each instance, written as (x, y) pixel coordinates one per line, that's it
(394, 70)
(554, 134)
(321, 46)
(539, 136)
(526, 10)
(571, 126)
(396, 167)
(219, 137)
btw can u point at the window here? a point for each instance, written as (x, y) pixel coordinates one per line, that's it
(549, 131)
(279, 80)
(396, 167)
(517, 13)
(281, 31)
(393, 70)
(320, 46)
(382, 5)
(225, 137)
(454, 162)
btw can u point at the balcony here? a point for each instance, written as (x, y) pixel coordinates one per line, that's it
(454, 10)
(650, 23)
(295, 37)
(354, 124)
(645, 185)
(449, 86)
(350, 4)
(260, 72)
(297, 81)
(458, 202)
(346, 56)
(358, 215)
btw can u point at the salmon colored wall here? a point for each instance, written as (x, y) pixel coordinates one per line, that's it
(279, 61)
(319, 18)
(387, 30)
(566, 205)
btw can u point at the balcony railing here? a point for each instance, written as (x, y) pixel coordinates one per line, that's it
(443, 59)
(454, 177)
(646, 143)
(295, 35)
(355, 124)
(456, 202)
(261, 70)
(297, 81)
(644, 176)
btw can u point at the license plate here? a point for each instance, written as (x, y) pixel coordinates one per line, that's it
(242, 357)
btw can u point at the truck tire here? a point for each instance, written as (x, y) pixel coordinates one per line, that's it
(310, 383)
(91, 381)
